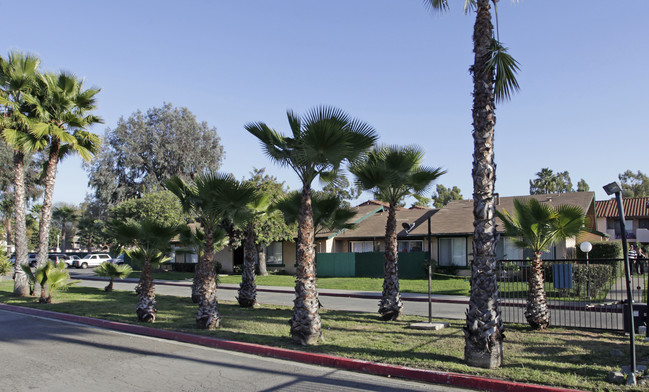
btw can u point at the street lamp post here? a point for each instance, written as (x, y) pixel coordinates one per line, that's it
(614, 188)
(430, 325)
(587, 247)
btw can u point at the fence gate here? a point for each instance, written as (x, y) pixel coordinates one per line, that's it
(580, 294)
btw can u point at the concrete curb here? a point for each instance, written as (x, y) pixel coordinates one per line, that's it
(431, 376)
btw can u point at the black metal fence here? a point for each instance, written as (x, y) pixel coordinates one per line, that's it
(580, 293)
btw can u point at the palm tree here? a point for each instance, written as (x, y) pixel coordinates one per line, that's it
(64, 215)
(61, 104)
(212, 198)
(494, 79)
(393, 173)
(49, 277)
(538, 226)
(320, 142)
(258, 206)
(147, 242)
(112, 271)
(18, 75)
(329, 212)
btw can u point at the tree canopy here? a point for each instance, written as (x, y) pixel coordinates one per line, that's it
(444, 195)
(634, 184)
(271, 227)
(547, 181)
(148, 148)
(162, 207)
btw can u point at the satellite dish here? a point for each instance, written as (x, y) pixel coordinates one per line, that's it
(408, 227)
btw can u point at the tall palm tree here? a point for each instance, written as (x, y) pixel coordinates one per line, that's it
(147, 243)
(62, 104)
(258, 206)
(211, 198)
(65, 215)
(494, 79)
(329, 212)
(18, 75)
(538, 226)
(320, 142)
(393, 173)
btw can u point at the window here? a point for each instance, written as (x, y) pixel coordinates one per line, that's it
(507, 250)
(452, 252)
(411, 246)
(274, 254)
(361, 246)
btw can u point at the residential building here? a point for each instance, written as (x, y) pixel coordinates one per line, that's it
(636, 214)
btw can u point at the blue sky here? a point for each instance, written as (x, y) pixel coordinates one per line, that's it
(582, 105)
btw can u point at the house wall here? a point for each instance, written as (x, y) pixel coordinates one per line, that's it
(289, 255)
(226, 258)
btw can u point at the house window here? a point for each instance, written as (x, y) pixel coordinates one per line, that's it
(452, 252)
(506, 249)
(274, 254)
(361, 246)
(411, 246)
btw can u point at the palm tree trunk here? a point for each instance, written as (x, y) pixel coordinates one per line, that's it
(305, 324)
(537, 312)
(261, 261)
(248, 289)
(21, 283)
(484, 326)
(390, 306)
(146, 310)
(109, 287)
(208, 316)
(46, 212)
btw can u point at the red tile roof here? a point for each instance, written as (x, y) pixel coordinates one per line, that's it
(633, 208)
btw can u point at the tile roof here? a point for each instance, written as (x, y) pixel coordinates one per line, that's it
(457, 216)
(635, 207)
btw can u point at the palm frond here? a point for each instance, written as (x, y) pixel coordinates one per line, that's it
(505, 67)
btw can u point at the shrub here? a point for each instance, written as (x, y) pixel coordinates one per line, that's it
(599, 276)
(603, 250)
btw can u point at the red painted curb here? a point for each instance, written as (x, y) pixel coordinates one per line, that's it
(437, 377)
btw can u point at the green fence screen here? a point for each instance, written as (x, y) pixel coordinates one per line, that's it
(412, 265)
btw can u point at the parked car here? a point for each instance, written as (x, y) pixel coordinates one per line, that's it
(118, 260)
(92, 260)
(31, 259)
(59, 258)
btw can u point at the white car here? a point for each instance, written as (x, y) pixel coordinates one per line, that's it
(92, 260)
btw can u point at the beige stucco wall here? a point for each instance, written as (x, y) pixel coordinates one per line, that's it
(289, 251)
(226, 258)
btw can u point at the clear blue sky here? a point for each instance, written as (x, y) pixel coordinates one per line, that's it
(582, 107)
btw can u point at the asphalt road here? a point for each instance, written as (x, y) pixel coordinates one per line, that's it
(439, 310)
(48, 355)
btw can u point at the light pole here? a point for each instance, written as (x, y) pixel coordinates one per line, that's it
(614, 188)
(587, 247)
(430, 324)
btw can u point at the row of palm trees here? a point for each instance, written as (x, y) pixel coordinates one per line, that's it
(46, 113)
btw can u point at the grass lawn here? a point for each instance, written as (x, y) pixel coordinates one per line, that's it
(559, 356)
(441, 284)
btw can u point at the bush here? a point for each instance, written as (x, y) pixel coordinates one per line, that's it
(603, 250)
(599, 276)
